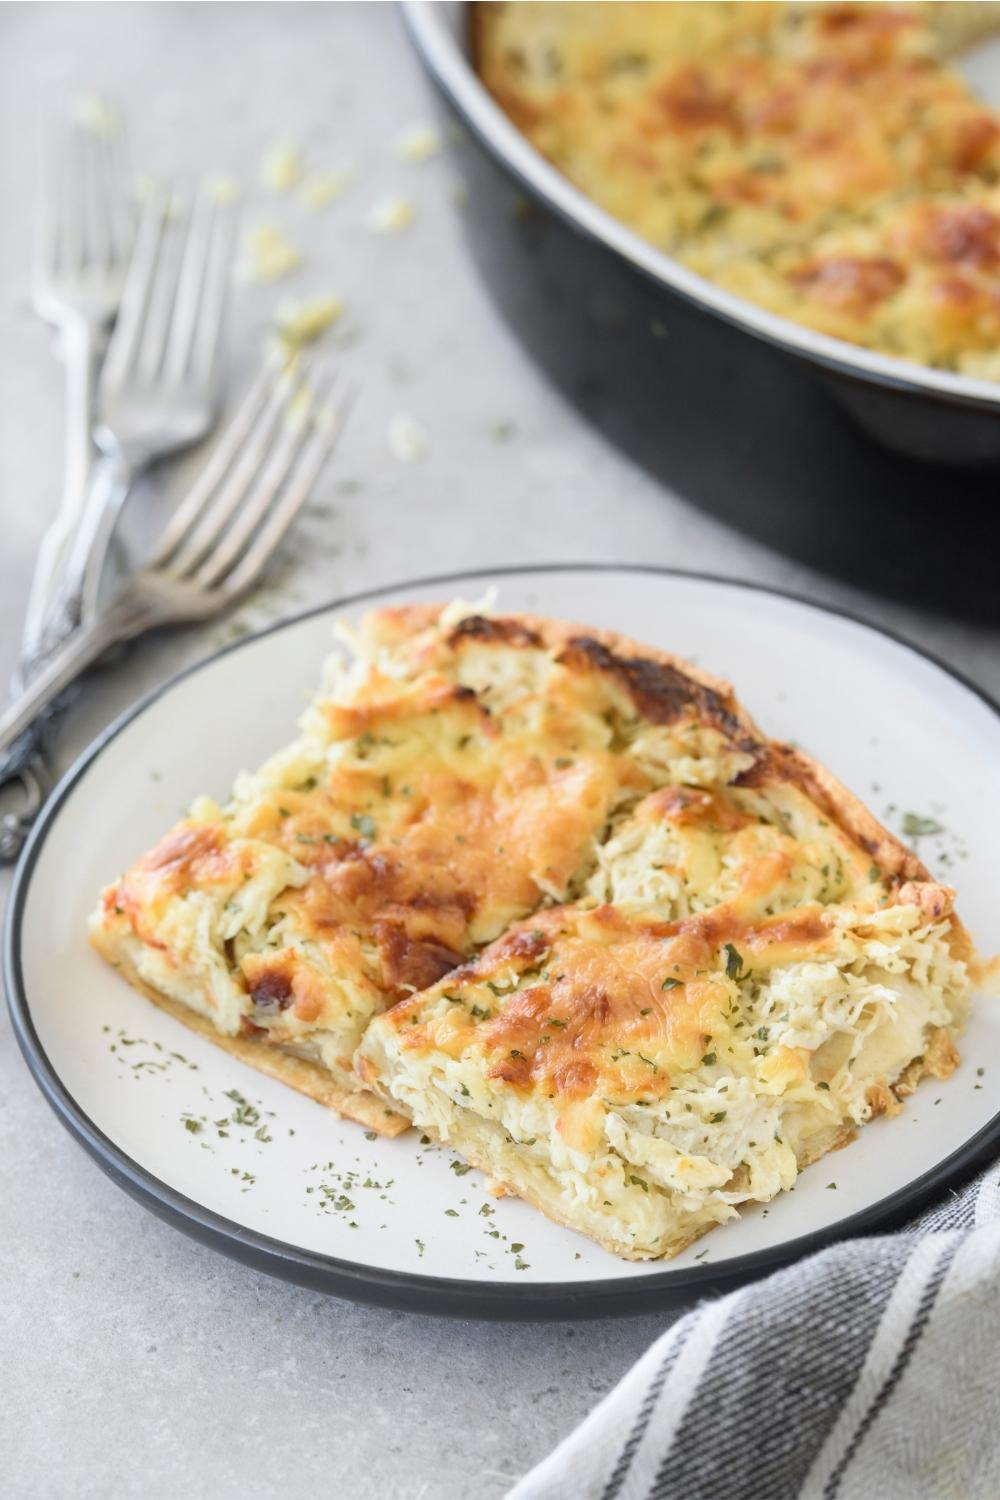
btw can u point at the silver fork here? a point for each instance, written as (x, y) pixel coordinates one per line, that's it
(82, 243)
(212, 550)
(160, 386)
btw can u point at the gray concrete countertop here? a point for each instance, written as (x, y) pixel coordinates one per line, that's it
(133, 1362)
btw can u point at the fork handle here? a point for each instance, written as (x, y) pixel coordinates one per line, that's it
(74, 599)
(79, 349)
(62, 668)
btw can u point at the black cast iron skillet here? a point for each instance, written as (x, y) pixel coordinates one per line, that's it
(865, 466)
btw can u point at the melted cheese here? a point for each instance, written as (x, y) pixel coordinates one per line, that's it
(458, 774)
(737, 989)
(658, 1073)
(769, 147)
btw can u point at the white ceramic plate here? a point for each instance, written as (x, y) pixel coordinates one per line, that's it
(276, 1180)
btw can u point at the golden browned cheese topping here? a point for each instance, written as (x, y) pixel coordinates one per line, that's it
(777, 149)
(599, 1003)
(705, 887)
(449, 790)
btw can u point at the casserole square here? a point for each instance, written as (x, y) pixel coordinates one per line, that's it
(456, 776)
(754, 970)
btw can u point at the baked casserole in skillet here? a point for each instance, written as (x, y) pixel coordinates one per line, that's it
(822, 160)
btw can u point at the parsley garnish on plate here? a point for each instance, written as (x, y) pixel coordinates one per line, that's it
(917, 827)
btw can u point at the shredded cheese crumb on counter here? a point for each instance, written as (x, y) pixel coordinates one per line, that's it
(266, 255)
(221, 187)
(321, 188)
(418, 143)
(408, 440)
(281, 167)
(301, 323)
(390, 214)
(96, 115)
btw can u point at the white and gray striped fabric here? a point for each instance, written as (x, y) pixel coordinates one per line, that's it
(870, 1371)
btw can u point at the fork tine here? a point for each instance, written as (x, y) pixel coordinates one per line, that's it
(163, 287)
(217, 516)
(267, 484)
(46, 242)
(279, 517)
(96, 212)
(69, 196)
(261, 395)
(121, 213)
(198, 265)
(215, 296)
(135, 294)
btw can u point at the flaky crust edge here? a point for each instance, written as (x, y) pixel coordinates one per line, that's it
(938, 1060)
(308, 1078)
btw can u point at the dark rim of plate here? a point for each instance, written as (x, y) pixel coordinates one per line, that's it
(406, 1290)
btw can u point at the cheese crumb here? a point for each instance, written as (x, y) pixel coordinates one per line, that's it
(221, 188)
(408, 441)
(320, 188)
(282, 167)
(146, 188)
(266, 255)
(96, 115)
(389, 215)
(300, 323)
(299, 409)
(418, 143)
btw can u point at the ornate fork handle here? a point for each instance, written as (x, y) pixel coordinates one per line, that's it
(127, 616)
(80, 352)
(23, 769)
(30, 775)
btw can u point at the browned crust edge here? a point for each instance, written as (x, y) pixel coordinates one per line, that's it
(360, 1106)
(938, 1060)
(528, 1195)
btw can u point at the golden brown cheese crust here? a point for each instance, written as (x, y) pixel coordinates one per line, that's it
(431, 824)
(748, 924)
(688, 691)
(467, 832)
(765, 145)
(618, 1004)
(919, 278)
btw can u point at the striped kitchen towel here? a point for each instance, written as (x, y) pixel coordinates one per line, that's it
(870, 1371)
